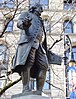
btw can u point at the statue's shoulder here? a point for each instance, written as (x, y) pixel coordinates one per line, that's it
(27, 13)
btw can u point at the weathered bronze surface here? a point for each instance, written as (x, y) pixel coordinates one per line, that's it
(30, 59)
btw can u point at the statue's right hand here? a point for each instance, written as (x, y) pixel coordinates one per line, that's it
(27, 23)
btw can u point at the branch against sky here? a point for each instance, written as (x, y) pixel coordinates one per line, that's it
(55, 86)
(8, 86)
(55, 43)
(16, 9)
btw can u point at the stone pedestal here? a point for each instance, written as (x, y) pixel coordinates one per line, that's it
(30, 97)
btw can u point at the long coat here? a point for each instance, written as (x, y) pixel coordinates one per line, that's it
(28, 38)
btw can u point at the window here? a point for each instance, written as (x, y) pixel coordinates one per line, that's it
(47, 82)
(10, 24)
(1, 3)
(69, 4)
(9, 27)
(68, 26)
(32, 2)
(44, 3)
(2, 83)
(3, 57)
(7, 3)
(74, 53)
(47, 25)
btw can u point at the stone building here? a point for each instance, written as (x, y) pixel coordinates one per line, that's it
(60, 20)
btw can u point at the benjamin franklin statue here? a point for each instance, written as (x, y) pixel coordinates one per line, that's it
(30, 59)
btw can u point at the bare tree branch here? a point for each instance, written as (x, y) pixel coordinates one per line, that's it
(8, 86)
(2, 76)
(55, 43)
(17, 5)
(54, 86)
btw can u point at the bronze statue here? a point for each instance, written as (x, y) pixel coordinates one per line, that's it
(30, 59)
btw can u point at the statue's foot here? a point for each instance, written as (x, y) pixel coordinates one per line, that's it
(38, 92)
(28, 90)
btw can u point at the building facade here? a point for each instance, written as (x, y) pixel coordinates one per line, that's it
(59, 20)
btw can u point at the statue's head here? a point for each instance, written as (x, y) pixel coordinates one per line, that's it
(37, 8)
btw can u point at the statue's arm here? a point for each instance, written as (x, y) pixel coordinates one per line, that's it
(24, 21)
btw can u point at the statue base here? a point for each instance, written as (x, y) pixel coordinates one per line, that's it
(29, 95)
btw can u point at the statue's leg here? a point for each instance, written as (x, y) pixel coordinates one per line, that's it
(25, 79)
(25, 74)
(42, 64)
(40, 80)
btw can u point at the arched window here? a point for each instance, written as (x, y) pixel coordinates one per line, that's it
(68, 26)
